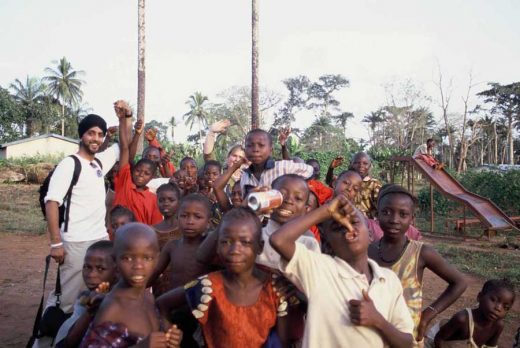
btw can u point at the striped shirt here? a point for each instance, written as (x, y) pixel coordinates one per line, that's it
(272, 170)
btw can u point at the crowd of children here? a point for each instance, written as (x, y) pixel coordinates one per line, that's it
(337, 264)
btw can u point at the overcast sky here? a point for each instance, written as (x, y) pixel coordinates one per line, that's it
(205, 45)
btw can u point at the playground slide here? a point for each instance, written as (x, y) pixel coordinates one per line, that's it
(490, 215)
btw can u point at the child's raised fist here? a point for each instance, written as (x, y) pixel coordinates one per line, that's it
(111, 131)
(150, 134)
(342, 210)
(336, 162)
(138, 126)
(122, 109)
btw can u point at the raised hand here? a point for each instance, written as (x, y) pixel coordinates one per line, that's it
(150, 134)
(111, 131)
(173, 337)
(363, 312)
(336, 162)
(220, 126)
(342, 210)
(283, 135)
(138, 126)
(122, 109)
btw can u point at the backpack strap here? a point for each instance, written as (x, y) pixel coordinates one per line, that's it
(74, 181)
(100, 164)
(37, 320)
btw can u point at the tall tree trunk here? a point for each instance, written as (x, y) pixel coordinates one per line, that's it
(62, 118)
(255, 111)
(141, 67)
(510, 142)
(495, 136)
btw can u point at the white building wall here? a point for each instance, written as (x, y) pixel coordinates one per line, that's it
(46, 146)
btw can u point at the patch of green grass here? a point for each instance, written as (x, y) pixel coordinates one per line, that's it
(20, 210)
(486, 264)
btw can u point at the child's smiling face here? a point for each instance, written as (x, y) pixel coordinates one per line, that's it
(295, 194)
(142, 174)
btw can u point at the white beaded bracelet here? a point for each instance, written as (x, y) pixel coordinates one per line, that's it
(57, 245)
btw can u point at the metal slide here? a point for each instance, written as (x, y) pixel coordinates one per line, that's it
(487, 211)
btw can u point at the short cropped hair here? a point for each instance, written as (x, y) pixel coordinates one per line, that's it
(241, 214)
(348, 171)
(146, 161)
(395, 189)
(212, 163)
(187, 158)
(170, 186)
(278, 181)
(260, 131)
(430, 140)
(120, 210)
(102, 245)
(197, 197)
(496, 284)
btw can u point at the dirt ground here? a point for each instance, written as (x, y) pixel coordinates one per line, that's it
(21, 281)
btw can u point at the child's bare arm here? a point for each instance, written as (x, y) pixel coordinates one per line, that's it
(493, 341)
(451, 328)
(78, 330)
(123, 112)
(282, 329)
(171, 300)
(138, 129)
(363, 312)
(283, 240)
(162, 263)
(207, 250)
(456, 286)
(221, 182)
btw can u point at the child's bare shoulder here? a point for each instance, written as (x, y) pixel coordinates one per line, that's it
(110, 309)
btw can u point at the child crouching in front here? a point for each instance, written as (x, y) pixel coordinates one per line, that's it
(99, 273)
(352, 301)
(238, 306)
(127, 316)
(479, 327)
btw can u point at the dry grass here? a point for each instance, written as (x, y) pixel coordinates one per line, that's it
(20, 210)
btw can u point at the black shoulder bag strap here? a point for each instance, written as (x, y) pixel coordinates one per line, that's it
(37, 320)
(74, 181)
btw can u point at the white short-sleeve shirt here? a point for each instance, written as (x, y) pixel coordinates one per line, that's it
(87, 203)
(269, 257)
(329, 283)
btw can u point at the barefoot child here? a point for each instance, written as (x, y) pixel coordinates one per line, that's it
(130, 183)
(178, 256)
(409, 258)
(480, 327)
(352, 301)
(99, 273)
(425, 153)
(128, 317)
(238, 306)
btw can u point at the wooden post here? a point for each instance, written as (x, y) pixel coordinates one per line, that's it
(432, 214)
(413, 183)
(464, 227)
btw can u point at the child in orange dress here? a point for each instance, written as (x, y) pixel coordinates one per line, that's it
(237, 307)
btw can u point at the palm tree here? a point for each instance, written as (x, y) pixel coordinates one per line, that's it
(373, 119)
(255, 111)
(173, 124)
(197, 112)
(140, 66)
(65, 85)
(28, 95)
(342, 120)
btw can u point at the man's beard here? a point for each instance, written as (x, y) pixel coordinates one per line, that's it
(86, 147)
